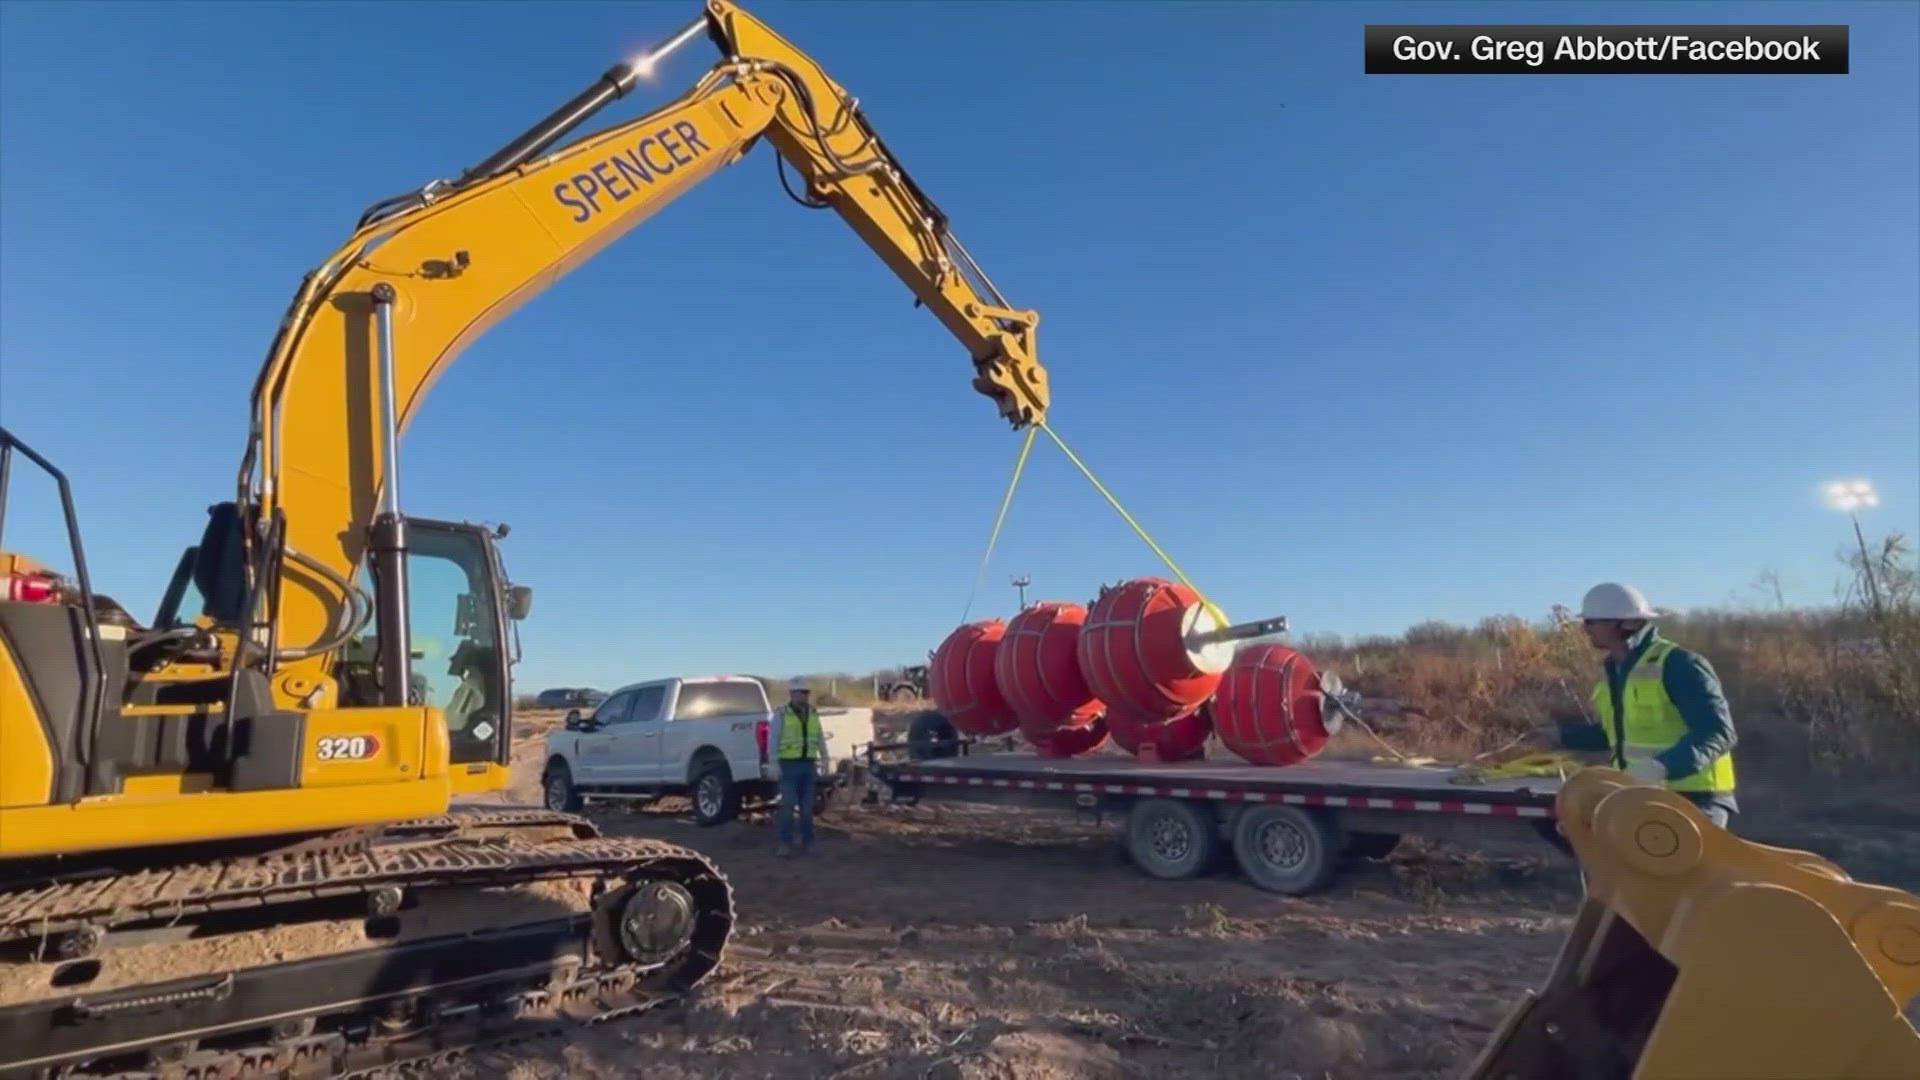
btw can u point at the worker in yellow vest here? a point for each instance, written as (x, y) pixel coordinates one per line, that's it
(1658, 708)
(800, 747)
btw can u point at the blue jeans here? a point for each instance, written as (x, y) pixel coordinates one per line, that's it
(796, 797)
(1716, 812)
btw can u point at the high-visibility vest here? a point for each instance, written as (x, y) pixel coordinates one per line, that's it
(1649, 723)
(797, 731)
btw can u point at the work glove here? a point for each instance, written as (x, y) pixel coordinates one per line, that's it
(1647, 770)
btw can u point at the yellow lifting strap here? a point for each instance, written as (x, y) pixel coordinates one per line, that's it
(1212, 609)
(1000, 519)
(1547, 764)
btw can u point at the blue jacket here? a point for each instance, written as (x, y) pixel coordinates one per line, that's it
(1695, 689)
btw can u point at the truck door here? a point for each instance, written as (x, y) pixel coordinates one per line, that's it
(594, 746)
(635, 757)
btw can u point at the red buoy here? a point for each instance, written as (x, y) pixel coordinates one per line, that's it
(1068, 741)
(1038, 672)
(1142, 653)
(1182, 738)
(960, 677)
(1145, 654)
(1268, 706)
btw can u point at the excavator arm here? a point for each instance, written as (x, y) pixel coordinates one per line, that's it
(425, 274)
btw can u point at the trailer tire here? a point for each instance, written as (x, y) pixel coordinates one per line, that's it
(1286, 849)
(1172, 839)
(931, 735)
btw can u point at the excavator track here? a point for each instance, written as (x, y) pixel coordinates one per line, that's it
(409, 987)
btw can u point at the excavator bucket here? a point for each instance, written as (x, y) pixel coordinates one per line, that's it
(1699, 955)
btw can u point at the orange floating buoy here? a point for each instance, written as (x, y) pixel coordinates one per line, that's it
(1152, 651)
(960, 677)
(1068, 741)
(1181, 738)
(1148, 649)
(1268, 708)
(1037, 669)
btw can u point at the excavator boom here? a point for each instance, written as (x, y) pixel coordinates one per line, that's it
(425, 275)
(255, 762)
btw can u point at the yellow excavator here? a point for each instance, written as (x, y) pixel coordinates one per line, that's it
(229, 838)
(1698, 955)
(229, 841)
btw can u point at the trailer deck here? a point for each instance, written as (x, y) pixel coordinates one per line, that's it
(1288, 827)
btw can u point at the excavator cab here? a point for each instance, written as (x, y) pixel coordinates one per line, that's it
(1698, 954)
(460, 609)
(167, 705)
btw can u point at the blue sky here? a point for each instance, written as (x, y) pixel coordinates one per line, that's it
(1363, 351)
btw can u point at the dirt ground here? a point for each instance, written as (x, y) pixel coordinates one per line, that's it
(975, 943)
(963, 942)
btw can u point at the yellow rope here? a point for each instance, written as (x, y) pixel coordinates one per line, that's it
(1212, 609)
(1000, 519)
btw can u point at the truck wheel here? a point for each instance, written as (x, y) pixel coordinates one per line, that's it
(557, 787)
(931, 735)
(1172, 839)
(1285, 849)
(716, 798)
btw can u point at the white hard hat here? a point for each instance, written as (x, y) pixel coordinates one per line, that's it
(797, 683)
(1612, 600)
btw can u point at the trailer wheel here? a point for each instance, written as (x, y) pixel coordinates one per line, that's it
(931, 735)
(1171, 839)
(1285, 849)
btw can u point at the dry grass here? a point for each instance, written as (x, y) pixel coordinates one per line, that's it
(1829, 693)
(1815, 693)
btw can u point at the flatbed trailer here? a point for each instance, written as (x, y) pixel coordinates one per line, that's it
(1288, 828)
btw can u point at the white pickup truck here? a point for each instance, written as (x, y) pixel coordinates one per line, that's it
(701, 736)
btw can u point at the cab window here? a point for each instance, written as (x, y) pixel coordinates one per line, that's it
(646, 704)
(453, 611)
(704, 700)
(614, 709)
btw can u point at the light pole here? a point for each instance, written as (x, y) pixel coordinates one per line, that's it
(1021, 581)
(1854, 496)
